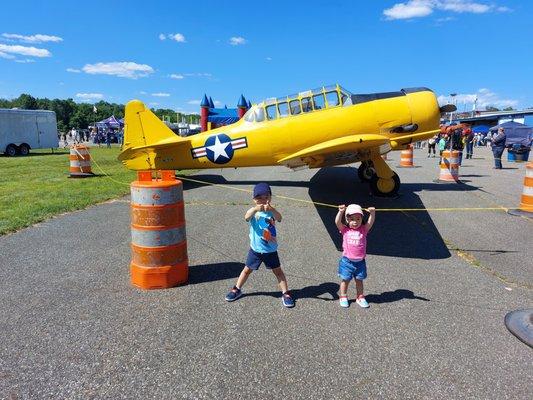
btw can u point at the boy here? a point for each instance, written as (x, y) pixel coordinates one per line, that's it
(263, 244)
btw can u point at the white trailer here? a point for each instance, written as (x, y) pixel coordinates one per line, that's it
(22, 130)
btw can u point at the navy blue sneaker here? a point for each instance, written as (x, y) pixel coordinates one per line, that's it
(234, 294)
(287, 300)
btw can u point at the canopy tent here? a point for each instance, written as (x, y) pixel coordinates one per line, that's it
(110, 122)
(481, 129)
(516, 133)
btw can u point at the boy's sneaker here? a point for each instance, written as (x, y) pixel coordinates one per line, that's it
(287, 300)
(234, 294)
(362, 302)
(343, 302)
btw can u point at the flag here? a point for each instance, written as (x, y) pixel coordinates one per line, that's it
(95, 110)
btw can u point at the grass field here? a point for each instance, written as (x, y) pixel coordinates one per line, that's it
(38, 186)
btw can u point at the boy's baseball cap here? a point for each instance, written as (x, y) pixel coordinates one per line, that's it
(261, 189)
(354, 209)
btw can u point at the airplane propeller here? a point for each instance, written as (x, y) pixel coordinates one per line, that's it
(448, 108)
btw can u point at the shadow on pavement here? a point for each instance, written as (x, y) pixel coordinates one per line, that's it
(389, 297)
(309, 292)
(214, 272)
(395, 234)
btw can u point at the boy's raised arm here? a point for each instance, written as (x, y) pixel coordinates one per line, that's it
(371, 218)
(250, 213)
(275, 213)
(338, 217)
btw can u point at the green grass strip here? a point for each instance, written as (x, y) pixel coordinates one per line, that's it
(36, 187)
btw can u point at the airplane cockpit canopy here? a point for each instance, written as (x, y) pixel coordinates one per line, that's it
(300, 103)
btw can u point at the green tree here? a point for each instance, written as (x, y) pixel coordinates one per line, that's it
(26, 102)
(491, 108)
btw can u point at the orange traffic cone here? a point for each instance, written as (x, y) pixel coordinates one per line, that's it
(158, 240)
(526, 201)
(406, 157)
(449, 166)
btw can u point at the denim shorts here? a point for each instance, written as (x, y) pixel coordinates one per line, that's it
(349, 269)
(254, 260)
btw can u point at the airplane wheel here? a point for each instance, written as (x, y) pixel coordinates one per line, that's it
(385, 187)
(365, 172)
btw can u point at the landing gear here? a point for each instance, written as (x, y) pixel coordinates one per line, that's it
(384, 182)
(385, 187)
(366, 171)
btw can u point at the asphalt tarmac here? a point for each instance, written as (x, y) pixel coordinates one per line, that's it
(439, 286)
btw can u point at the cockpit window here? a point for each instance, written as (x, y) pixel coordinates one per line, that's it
(319, 102)
(271, 111)
(332, 99)
(306, 104)
(295, 107)
(259, 114)
(283, 109)
(249, 116)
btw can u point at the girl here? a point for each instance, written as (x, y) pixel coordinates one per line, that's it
(352, 264)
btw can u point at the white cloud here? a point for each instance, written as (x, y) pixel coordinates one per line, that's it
(268, 58)
(176, 76)
(423, 8)
(178, 37)
(76, 71)
(38, 38)
(25, 61)
(89, 96)
(237, 40)
(153, 104)
(159, 94)
(6, 56)
(199, 74)
(411, 9)
(24, 50)
(122, 69)
(143, 92)
(194, 102)
(485, 97)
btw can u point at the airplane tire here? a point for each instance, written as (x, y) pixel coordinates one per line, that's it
(365, 172)
(385, 187)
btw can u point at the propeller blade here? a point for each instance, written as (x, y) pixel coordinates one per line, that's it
(448, 108)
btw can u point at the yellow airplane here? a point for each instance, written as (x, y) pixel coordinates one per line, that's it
(316, 128)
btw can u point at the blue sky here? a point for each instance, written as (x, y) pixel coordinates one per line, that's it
(169, 53)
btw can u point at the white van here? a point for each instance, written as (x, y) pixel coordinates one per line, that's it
(22, 130)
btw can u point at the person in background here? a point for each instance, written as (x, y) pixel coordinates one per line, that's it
(469, 142)
(432, 143)
(498, 146)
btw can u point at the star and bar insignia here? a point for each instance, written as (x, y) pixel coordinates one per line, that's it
(219, 148)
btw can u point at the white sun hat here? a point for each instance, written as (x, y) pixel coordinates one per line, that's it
(354, 209)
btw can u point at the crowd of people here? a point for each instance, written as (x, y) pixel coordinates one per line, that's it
(461, 138)
(96, 136)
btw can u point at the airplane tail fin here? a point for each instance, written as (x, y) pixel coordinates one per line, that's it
(143, 130)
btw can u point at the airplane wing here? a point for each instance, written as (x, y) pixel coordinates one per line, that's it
(342, 150)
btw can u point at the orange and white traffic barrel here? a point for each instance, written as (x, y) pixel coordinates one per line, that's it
(526, 200)
(406, 157)
(449, 166)
(80, 162)
(158, 239)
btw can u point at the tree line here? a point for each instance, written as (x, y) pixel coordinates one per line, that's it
(70, 114)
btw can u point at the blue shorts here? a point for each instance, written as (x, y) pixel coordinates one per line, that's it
(254, 260)
(349, 269)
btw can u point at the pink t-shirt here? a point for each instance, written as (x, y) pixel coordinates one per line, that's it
(354, 242)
